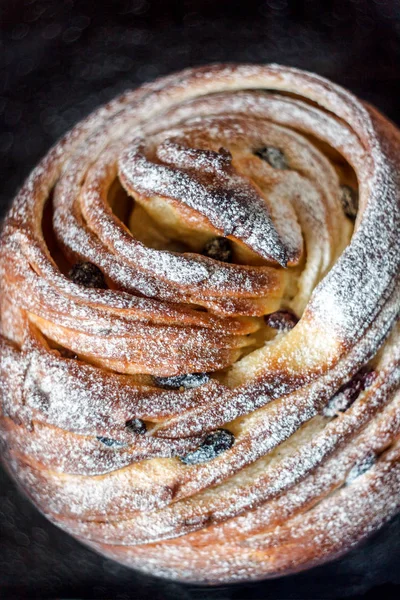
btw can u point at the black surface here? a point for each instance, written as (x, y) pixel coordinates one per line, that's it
(59, 60)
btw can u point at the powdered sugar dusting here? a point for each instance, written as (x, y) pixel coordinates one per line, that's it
(300, 484)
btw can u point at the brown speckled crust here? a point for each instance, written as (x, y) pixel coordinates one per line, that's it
(138, 189)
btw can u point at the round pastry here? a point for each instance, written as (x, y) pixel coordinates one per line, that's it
(199, 349)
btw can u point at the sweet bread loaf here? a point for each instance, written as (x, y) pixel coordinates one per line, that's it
(199, 348)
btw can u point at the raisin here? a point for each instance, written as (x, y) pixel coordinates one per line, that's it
(109, 442)
(218, 248)
(190, 380)
(88, 275)
(66, 353)
(273, 156)
(282, 320)
(214, 444)
(349, 392)
(136, 426)
(358, 384)
(361, 467)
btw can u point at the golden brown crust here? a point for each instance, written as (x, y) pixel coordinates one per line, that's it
(111, 451)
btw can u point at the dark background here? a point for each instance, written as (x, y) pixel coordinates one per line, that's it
(59, 60)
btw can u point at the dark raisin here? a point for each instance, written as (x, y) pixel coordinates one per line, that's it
(225, 156)
(349, 198)
(66, 353)
(109, 442)
(218, 248)
(352, 389)
(349, 392)
(273, 156)
(136, 426)
(361, 467)
(190, 380)
(369, 378)
(358, 384)
(88, 275)
(282, 320)
(214, 444)
(338, 403)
